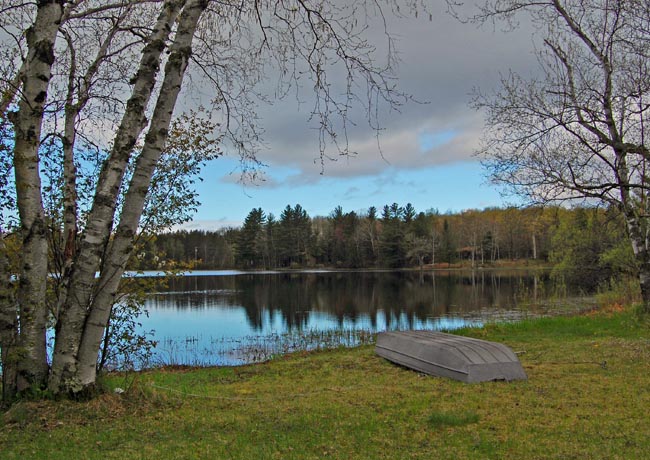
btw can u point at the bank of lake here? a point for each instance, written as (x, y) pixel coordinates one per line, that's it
(239, 317)
(586, 397)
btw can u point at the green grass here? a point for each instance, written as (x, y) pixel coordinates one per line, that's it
(587, 396)
(440, 419)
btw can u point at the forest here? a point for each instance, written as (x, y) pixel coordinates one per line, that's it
(588, 245)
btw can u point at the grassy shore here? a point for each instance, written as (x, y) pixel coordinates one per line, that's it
(588, 396)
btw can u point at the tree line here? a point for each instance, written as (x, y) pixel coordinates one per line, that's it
(587, 244)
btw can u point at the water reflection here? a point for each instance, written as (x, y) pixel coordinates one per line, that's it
(208, 318)
(349, 297)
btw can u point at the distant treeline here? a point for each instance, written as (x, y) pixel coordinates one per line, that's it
(588, 242)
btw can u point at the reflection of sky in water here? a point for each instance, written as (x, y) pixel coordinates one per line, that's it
(220, 335)
(197, 312)
(213, 322)
(227, 322)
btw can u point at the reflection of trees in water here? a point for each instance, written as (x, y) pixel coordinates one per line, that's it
(350, 297)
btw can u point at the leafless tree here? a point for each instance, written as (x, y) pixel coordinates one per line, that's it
(580, 130)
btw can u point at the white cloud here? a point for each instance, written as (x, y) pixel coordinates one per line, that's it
(208, 224)
(432, 141)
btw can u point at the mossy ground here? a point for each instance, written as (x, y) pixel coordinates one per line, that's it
(587, 396)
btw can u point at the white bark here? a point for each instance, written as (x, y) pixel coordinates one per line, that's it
(534, 238)
(580, 131)
(239, 42)
(100, 220)
(27, 121)
(122, 244)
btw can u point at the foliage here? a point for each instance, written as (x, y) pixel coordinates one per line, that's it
(341, 240)
(294, 237)
(199, 248)
(250, 247)
(589, 248)
(391, 249)
(125, 346)
(447, 244)
(172, 198)
(618, 291)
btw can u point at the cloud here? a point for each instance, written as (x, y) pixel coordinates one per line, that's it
(442, 61)
(430, 142)
(257, 178)
(208, 224)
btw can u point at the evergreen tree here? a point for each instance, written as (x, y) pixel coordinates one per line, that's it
(408, 213)
(271, 231)
(294, 238)
(391, 240)
(344, 239)
(251, 242)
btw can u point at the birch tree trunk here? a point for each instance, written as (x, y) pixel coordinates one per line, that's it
(641, 254)
(72, 317)
(70, 210)
(635, 231)
(32, 369)
(534, 238)
(122, 245)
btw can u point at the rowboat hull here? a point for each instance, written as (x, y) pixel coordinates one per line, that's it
(446, 355)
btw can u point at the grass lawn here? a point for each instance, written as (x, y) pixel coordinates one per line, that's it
(587, 397)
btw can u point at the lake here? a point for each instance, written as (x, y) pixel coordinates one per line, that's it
(232, 317)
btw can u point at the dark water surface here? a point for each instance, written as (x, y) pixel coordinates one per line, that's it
(229, 317)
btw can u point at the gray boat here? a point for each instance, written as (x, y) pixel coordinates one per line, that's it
(446, 355)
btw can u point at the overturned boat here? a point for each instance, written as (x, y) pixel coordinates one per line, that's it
(446, 355)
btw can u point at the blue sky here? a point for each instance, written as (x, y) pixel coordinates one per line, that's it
(424, 154)
(451, 187)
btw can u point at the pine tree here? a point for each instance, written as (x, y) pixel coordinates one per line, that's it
(251, 242)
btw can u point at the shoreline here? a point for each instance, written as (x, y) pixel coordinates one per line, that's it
(584, 397)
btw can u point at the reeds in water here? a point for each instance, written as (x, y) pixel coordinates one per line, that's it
(200, 351)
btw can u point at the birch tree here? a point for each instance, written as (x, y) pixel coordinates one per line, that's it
(580, 130)
(75, 71)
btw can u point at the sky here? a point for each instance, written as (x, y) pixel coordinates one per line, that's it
(424, 154)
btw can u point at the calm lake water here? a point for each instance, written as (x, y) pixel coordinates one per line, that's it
(230, 317)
